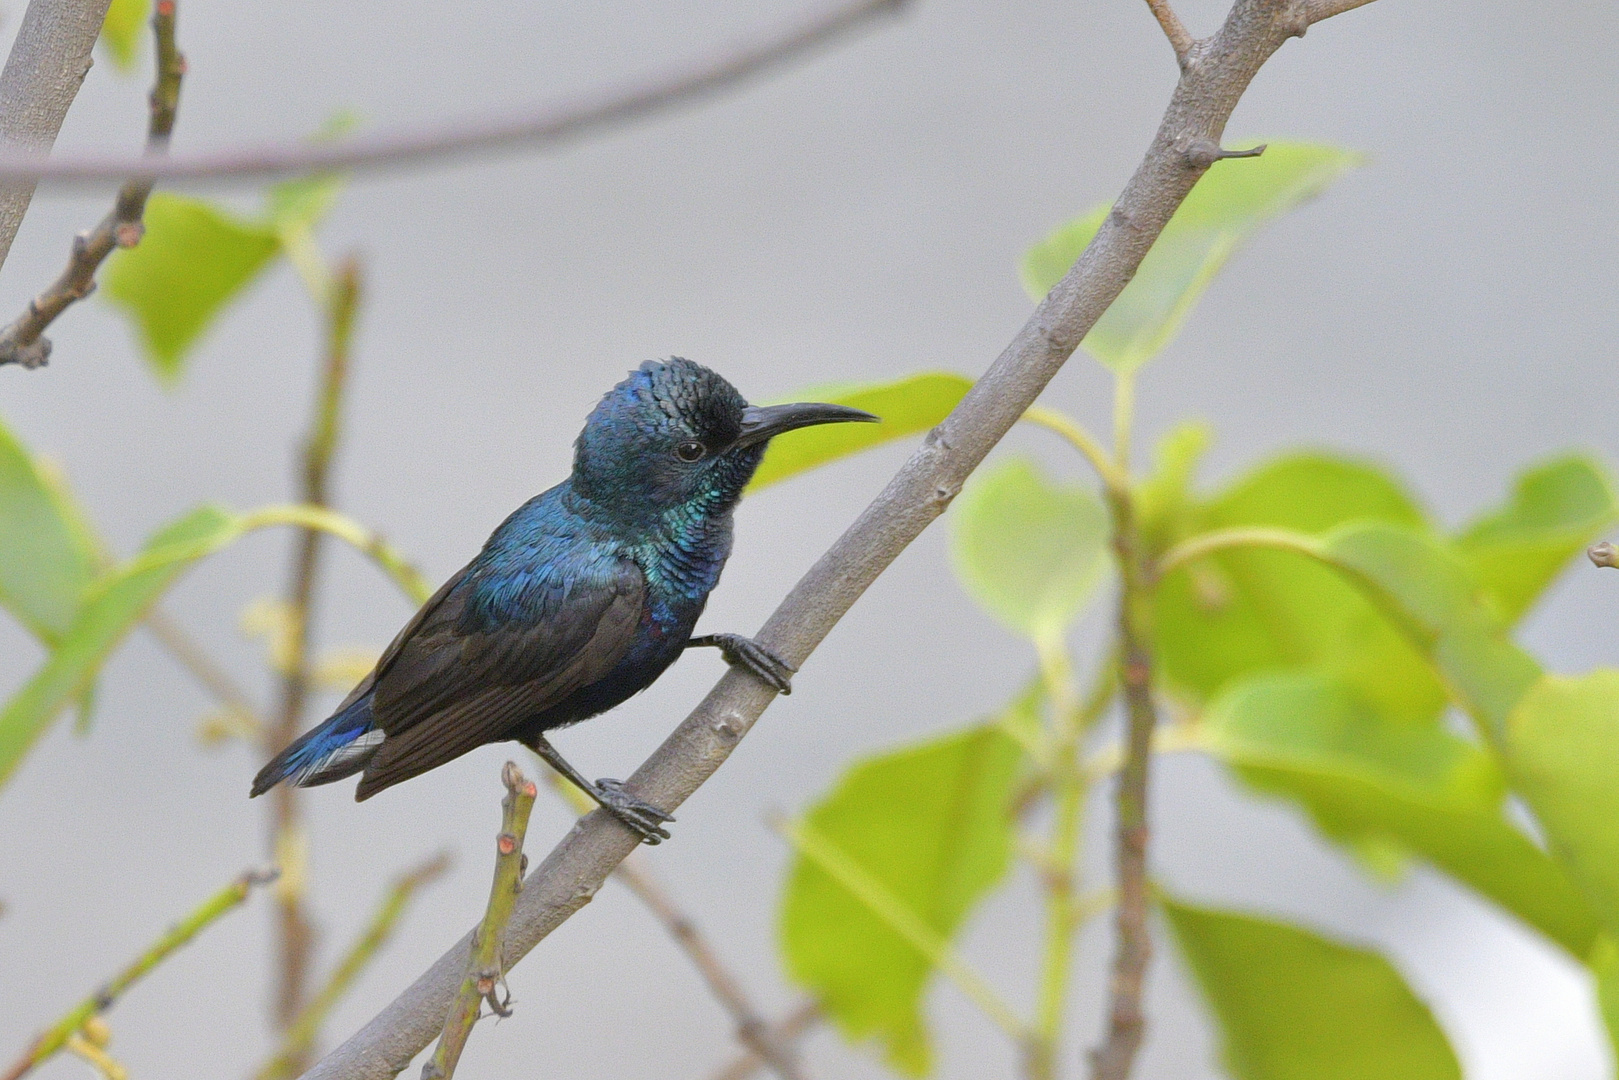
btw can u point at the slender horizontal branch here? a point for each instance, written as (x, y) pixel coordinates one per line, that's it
(23, 342)
(56, 1036)
(417, 147)
(1203, 100)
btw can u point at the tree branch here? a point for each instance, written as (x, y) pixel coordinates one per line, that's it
(1202, 102)
(791, 1027)
(23, 342)
(485, 972)
(56, 1036)
(751, 1029)
(416, 147)
(1179, 39)
(42, 76)
(295, 937)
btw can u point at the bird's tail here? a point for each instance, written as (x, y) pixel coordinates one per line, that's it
(338, 748)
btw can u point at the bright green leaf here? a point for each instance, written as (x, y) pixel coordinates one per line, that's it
(193, 260)
(931, 824)
(113, 607)
(1556, 509)
(1246, 610)
(1292, 1005)
(1029, 550)
(1605, 967)
(1226, 207)
(49, 557)
(121, 31)
(905, 406)
(1563, 755)
(1367, 781)
(1164, 501)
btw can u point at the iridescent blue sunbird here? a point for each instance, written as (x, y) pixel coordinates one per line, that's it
(580, 599)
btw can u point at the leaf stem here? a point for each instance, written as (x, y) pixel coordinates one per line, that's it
(1245, 536)
(1082, 440)
(877, 898)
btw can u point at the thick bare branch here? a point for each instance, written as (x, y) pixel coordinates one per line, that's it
(42, 76)
(418, 147)
(1202, 102)
(23, 342)
(1326, 9)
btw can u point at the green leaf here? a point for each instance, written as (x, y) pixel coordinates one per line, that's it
(1430, 593)
(1563, 754)
(1294, 1006)
(906, 406)
(1164, 501)
(121, 32)
(1368, 782)
(1556, 509)
(1226, 207)
(110, 611)
(1605, 967)
(1246, 610)
(50, 557)
(1029, 550)
(193, 259)
(931, 824)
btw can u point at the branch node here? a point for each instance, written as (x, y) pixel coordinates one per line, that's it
(1201, 152)
(1603, 554)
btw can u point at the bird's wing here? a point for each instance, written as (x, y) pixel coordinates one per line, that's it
(442, 689)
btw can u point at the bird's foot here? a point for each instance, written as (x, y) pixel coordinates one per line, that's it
(752, 657)
(639, 816)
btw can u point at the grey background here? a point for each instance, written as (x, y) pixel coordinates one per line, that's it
(1448, 310)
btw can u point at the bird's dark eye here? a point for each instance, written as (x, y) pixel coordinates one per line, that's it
(690, 451)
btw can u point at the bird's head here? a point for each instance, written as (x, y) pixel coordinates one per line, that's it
(675, 434)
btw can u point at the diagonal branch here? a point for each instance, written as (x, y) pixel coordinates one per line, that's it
(1179, 38)
(785, 1033)
(1202, 102)
(47, 64)
(417, 147)
(23, 342)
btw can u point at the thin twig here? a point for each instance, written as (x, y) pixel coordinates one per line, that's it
(295, 939)
(1202, 102)
(301, 1034)
(421, 146)
(751, 1029)
(47, 64)
(190, 654)
(485, 971)
(788, 1031)
(1126, 1022)
(1175, 30)
(23, 342)
(56, 1036)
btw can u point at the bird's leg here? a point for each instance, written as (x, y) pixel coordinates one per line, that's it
(640, 817)
(750, 656)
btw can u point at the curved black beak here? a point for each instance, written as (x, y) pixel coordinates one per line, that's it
(761, 422)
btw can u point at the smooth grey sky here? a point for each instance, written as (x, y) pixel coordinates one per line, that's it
(1448, 310)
